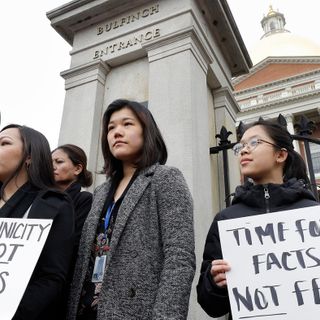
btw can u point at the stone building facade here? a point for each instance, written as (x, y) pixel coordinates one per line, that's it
(178, 57)
(285, 79)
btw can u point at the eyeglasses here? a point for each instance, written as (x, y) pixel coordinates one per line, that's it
(251, 145)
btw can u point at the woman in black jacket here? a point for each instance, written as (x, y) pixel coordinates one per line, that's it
(71, 173)
(27, 191)
(278, 182)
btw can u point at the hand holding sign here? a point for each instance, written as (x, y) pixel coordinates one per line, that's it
(275, 261)
(218, 271)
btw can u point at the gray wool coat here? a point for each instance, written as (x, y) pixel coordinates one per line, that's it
(151, 264)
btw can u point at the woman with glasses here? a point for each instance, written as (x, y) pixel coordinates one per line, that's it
(278, 181)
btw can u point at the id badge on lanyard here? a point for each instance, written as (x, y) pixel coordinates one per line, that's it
(100, 260)
(98, 270)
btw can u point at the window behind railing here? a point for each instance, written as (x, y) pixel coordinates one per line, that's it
(315, 155)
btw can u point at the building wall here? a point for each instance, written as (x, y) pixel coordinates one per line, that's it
(283, 85)
(273, 72)
(168, 54)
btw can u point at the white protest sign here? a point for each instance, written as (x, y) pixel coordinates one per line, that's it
(21, 242)
(275, 264)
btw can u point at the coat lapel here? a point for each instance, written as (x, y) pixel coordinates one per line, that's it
(129, 202)
(89, 230)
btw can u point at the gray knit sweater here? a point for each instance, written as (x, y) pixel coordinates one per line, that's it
(151, 264)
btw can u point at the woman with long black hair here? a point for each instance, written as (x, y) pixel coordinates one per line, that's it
(28, 191)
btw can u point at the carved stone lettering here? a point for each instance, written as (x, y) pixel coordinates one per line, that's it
(124, 44)
(144, 13)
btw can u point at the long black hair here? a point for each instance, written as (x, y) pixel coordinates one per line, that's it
(295, 166)
(154, 149)
(36, 151)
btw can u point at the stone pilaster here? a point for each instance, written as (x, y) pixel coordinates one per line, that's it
(178, 100)
(85, 87)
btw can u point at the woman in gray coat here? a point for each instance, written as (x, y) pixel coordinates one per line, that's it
(136, 258)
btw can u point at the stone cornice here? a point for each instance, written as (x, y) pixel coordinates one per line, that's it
(76, 15)
(226, 33)
(92, 71)
(72, 5)
(79, 13)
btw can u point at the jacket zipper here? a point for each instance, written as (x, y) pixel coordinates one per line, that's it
(266, 197)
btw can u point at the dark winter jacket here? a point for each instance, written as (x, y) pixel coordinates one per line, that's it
(249, 200)
(42, 295)
(82, 201)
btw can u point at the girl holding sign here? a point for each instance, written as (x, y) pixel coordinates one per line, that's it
(136, 255)
(27, 191)
(278, 181)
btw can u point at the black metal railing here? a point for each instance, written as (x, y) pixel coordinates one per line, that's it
(223, 146)
(305, 128)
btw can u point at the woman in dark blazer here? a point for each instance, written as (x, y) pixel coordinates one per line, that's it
(71, 174)
(136, 256)
(27, 191)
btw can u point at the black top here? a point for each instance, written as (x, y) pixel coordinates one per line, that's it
(48, 278)
(82, 201)
(249, 200)
(88, 305)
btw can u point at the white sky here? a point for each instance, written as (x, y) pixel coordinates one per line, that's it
(32, 55)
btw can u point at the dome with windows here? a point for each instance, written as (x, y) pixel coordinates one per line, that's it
(279, 42)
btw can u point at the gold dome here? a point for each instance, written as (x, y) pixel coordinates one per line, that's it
(271, 12)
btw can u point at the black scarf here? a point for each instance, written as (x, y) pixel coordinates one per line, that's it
(19, 203)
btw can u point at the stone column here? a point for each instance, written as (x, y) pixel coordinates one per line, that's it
(85, 87)
(178, 100)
